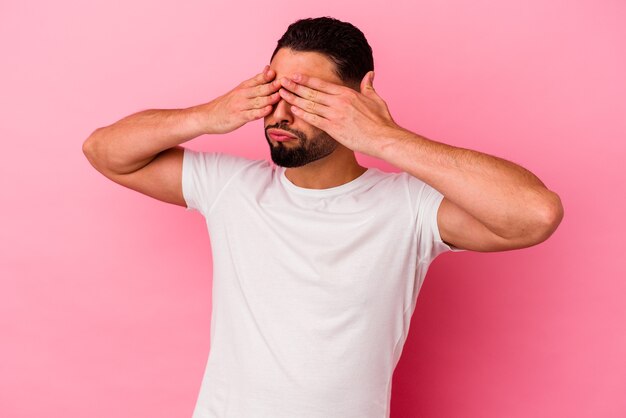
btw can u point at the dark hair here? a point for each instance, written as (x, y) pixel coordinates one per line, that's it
(342, 42)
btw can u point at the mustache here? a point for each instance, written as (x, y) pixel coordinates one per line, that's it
(284, 127)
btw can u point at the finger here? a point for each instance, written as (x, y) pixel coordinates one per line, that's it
(311, 118)
(308, 105)
(367, 87)
(306, 92)
(262, 89)
(262, 101)
(254, 114)
(317, 84)
(263, 77)
(367, 83)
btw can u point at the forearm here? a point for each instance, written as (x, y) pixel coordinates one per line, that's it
(506, 198)
(132, 142)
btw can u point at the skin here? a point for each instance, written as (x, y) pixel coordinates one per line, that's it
(341, 165)
(490, 204)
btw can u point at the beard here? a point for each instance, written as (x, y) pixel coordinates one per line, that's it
(301, 150)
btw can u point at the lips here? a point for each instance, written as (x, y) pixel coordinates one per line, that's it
(280, 136)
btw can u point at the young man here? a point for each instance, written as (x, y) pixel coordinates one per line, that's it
(317, 261)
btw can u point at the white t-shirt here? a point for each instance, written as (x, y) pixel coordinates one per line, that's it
(313, 289)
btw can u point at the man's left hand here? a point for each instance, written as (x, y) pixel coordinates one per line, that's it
(359, 121)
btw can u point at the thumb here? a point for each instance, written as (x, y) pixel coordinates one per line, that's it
(367, 83)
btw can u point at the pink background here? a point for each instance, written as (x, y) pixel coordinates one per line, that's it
(105, 293)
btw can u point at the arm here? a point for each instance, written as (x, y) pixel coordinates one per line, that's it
(142, 151)
(489, 204)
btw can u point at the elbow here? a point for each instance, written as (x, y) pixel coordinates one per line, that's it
(534, 224)
(549, 217)
(89, 147)
(93, 152)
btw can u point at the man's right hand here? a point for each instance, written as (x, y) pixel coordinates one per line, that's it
(142, 151)
(250, 100)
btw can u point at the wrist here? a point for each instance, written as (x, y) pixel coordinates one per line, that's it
(392, 140)
(200, 116)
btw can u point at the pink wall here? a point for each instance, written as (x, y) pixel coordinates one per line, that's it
(105, 293)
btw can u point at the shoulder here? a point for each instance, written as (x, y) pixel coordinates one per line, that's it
(398, 183)
(221, 162)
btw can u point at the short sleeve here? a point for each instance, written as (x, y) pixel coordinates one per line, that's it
(205, 175)
(427, 202)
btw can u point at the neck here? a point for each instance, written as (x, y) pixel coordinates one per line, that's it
(335, 169)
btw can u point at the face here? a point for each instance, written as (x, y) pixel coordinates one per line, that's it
(293, 142)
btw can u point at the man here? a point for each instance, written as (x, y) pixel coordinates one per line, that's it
(317, 260)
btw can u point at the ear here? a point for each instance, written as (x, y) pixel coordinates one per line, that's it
(367, 84)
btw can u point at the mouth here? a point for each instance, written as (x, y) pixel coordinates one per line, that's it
(280, 135)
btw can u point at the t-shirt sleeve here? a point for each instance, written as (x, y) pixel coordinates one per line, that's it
(430, 244)
(205, 175)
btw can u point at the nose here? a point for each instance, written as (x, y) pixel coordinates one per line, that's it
(281, 113)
